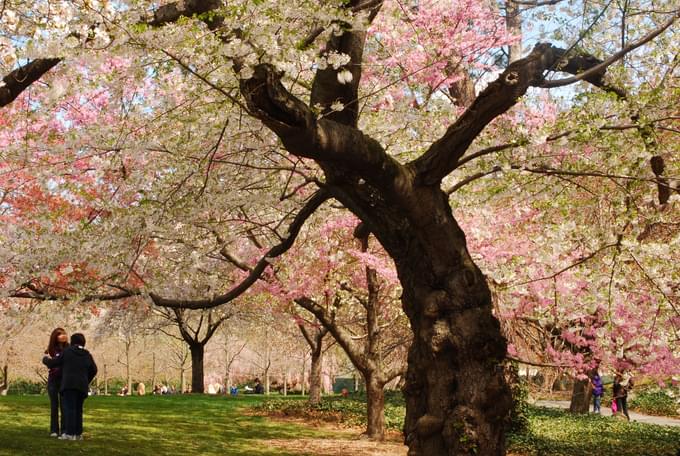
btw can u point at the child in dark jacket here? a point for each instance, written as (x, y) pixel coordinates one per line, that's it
(77, 371)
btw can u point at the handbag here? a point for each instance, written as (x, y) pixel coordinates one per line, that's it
(614, 407)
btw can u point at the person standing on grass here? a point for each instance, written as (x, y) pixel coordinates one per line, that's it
(78, 370)
(58, 342)
(598, 391)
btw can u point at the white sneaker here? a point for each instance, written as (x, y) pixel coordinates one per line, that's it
(54, 434)
(66, 437)
(78, 437)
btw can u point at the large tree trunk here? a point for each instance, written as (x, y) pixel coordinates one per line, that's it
(580, 396)
(375, 406)
(457, 399)
(197, 351)
(315, 378)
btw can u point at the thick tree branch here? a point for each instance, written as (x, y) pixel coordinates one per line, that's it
(499, 96)
(171, 12)
(444, 155)
(20, 79)
(327, 89)
(585, 70)
(304, 135)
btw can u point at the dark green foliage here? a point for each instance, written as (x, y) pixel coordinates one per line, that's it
(519, 414)
(23, 386)
(554, 432)
(656, 401)
(350, 411)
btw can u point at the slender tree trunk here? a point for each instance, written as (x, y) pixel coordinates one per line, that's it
(182, 380)
(153, 371)
(304, 373)
(266, 371)
(106, 382)
(315, 378)
(4, 386)
(375, 407)
(285, 383)
(128, 372)
(197, 352)
(580, 396)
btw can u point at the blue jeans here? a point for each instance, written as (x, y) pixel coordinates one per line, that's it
(597, 401)
(73, 409)
(56, 408)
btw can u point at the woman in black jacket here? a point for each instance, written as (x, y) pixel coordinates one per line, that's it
(58, 342)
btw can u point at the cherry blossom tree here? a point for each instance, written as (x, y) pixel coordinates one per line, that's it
(298, 69)
(352, 292)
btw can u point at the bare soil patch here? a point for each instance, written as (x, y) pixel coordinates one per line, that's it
(349, 442)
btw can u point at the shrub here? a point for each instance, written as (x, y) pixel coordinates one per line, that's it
(24, 386)
(350, 411)
(657, 401)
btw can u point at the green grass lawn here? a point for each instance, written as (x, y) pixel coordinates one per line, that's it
(208, 425)
(150, 425)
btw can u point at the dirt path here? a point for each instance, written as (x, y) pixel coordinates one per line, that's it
(340, 447)
(607, 411)
(344, 442)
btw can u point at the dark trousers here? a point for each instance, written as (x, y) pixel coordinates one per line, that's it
(622, 405)
(56, 408)
(73, 410)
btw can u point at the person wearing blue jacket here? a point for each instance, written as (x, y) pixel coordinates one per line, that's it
(77, 371)
(598, 391)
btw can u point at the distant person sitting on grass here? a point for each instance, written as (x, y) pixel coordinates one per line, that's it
(78, 369)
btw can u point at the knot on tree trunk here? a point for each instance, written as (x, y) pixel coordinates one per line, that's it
(428, 425)
(439, 335)
(434, 302)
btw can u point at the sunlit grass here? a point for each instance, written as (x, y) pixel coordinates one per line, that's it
(150, 425)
